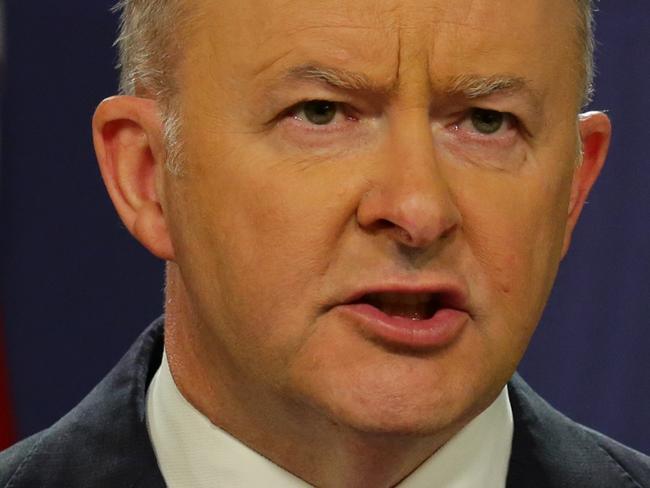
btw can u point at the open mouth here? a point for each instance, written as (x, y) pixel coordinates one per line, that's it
(411, 319)
(413, 306)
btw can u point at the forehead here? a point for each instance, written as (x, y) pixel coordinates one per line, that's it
(532, 39)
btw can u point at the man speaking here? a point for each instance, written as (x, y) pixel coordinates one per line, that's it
(362, 206)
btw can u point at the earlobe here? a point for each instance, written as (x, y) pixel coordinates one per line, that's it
(595, 134)
(127, 133)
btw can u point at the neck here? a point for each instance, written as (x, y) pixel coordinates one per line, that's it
(293, 435)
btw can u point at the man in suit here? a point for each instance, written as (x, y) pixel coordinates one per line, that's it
(363, 206)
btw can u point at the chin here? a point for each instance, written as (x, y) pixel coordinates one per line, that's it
(385, 420)
(372, 389)
(413, 407)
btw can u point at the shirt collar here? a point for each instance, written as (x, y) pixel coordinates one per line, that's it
(191, 451)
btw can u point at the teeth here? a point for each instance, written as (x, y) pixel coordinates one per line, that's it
(415, 306)
(413, 312)
(401, 299)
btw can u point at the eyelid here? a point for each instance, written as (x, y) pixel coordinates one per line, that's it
(516, 121)
(517, 124)
(344, 131)
(344, 109)
(301, 105)
(512, 120)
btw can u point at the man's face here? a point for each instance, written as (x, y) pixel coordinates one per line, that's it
(374, 199)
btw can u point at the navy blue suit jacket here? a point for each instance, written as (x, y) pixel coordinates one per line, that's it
(103, 442)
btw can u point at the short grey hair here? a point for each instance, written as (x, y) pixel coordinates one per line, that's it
(587, 42)
(150, 44)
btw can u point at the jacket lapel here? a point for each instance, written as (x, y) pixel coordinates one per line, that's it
(551, 451)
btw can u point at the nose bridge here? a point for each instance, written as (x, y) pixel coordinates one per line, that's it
(410, 154)
(410, 198)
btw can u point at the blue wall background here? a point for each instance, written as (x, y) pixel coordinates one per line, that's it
(77, 289)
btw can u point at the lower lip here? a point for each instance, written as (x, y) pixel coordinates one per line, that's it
(435, 332)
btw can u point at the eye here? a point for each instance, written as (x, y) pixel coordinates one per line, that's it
(487, 122)
(317, 112)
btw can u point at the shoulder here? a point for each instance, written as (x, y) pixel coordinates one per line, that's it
(103, 441)
(633, 465)
(549, 449)
(14, 459)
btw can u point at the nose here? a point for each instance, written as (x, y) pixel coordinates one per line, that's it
(409, 199)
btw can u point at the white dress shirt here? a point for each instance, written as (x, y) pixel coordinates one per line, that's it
(193, 452)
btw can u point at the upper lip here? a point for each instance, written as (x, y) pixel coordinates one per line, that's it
(447, 294)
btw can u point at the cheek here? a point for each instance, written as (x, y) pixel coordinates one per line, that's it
(515, 234)
(284, 229)
(262, 237)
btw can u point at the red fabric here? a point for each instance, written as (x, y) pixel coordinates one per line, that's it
(7, 424)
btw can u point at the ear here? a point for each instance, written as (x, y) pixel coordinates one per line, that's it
(595, 133)
(128, 138)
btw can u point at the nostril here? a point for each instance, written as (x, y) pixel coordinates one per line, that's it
(383, 224)
(404, 237)
(451, 229)
(396, 232)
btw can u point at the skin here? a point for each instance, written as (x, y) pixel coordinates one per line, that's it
(275, 221)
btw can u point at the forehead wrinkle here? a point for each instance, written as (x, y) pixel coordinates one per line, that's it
(299, 29)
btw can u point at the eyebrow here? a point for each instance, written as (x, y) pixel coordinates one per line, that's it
(467, 86)
(337, 78)
(472, 87)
